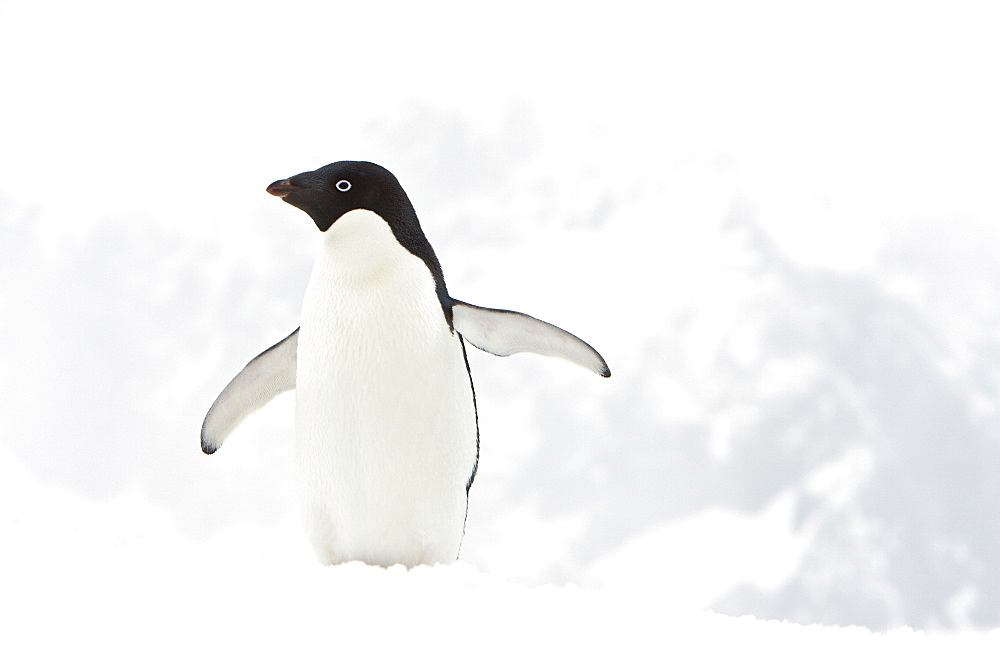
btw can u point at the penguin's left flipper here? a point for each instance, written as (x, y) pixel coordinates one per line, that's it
(262, 379)
(505, 333)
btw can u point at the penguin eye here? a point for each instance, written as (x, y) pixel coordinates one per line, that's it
(343, 186)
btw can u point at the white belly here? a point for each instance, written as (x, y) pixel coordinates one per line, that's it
(385, 420)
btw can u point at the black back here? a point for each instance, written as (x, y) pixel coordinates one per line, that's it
(331, 191)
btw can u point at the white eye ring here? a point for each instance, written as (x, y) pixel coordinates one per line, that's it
(343, 186)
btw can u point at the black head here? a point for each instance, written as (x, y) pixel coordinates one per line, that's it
(331, 191)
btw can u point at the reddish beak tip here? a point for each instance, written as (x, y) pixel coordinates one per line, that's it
(282, 188)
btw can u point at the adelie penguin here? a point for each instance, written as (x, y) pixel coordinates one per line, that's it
(387, 439)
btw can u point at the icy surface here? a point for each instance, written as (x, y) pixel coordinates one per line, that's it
(113, 581)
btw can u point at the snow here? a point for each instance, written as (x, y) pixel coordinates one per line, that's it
(777, 223)
(114, 582)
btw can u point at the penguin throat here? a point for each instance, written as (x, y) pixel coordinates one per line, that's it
(365, 245)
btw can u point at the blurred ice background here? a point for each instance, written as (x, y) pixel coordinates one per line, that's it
(778, 223)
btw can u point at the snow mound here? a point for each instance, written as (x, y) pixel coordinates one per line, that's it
(115, 582)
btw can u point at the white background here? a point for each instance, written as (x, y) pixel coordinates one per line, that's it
(778, 224)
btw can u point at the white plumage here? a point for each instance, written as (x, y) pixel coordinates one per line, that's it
(385, 418)
(386, 433)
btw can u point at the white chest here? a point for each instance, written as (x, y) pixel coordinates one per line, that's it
(385, 422)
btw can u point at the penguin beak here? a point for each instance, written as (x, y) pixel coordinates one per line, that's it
(282, 188)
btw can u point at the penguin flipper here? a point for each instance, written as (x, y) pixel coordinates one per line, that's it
(505, 333)
(263, 378)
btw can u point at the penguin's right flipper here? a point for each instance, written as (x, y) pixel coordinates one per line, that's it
(262, 379)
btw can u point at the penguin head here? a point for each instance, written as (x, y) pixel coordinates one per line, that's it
(329, 192)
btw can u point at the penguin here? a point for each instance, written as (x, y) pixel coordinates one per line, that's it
(386, 425)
